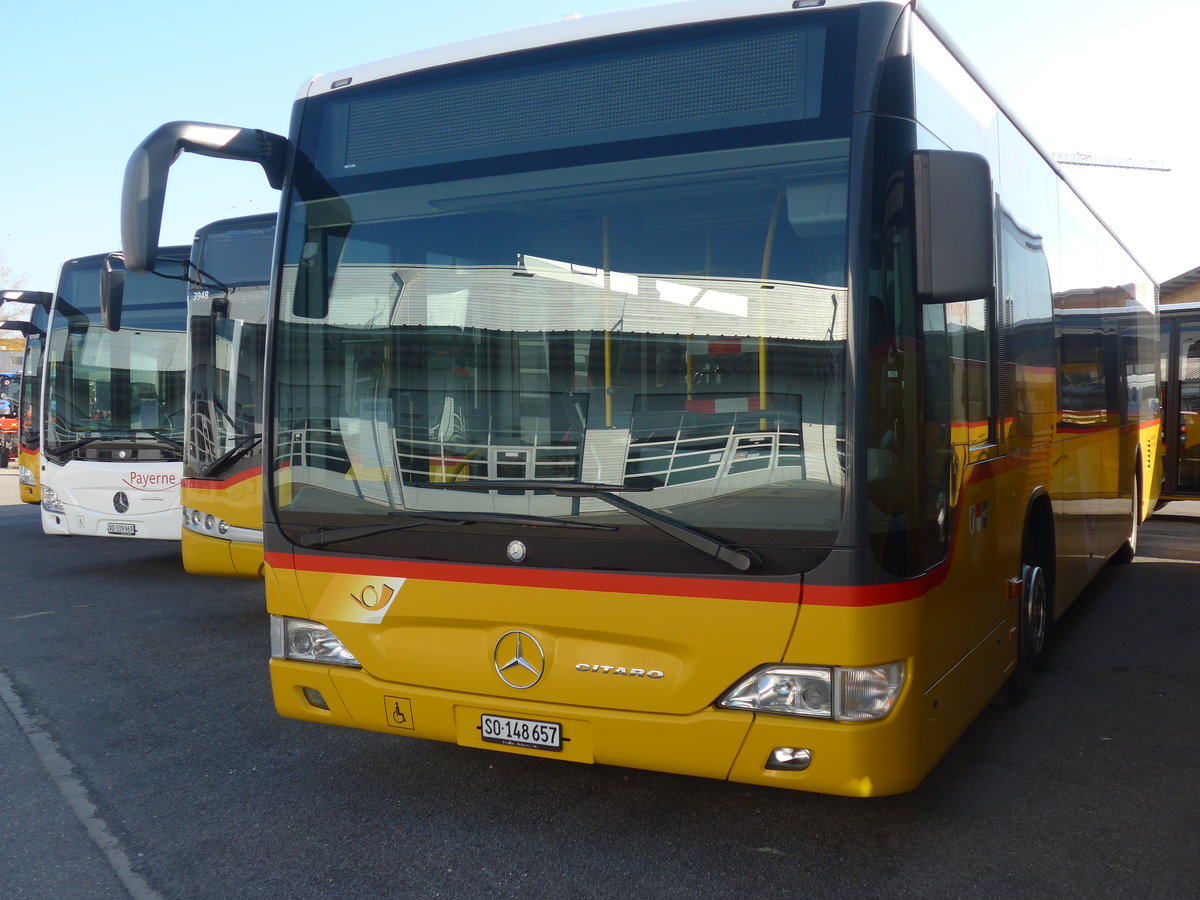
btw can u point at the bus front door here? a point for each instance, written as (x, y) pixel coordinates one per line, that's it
(1183, 414)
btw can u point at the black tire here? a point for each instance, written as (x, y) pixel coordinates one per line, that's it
(1033, 626)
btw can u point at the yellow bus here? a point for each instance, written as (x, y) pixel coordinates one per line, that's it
(29, 402)
(714, 388)
(1180, 367)
(221, 493)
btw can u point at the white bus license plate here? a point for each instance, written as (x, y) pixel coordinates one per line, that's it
(521, 732)
(122, 528)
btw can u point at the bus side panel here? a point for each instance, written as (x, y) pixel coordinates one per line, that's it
(30, 486)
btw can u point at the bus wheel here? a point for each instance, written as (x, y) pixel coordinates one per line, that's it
(1034, 624)
(1035, 611)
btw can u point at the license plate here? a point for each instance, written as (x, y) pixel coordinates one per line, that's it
(521, 732)
(122, 528)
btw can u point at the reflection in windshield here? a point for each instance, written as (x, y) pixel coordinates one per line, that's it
(124, 386)
(226, 406)
(227, 335)
(667, 325)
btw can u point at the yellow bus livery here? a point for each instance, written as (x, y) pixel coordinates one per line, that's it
(755, 426)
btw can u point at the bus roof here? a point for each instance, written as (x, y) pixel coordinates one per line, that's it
(175, 252)
(649, 18)
(566, 31)
(240, 222)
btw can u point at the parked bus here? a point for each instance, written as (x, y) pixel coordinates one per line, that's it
(740, 425)
(29, 396)
(112, 401)
(222, 465)
(1180, 367)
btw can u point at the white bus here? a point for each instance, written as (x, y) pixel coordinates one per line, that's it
(112, 401)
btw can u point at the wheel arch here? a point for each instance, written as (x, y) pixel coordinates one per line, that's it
(1038, 543)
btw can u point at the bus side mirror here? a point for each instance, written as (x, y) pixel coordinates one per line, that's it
(35, 298)
(112, 291)
(145, 186)
(954, 221)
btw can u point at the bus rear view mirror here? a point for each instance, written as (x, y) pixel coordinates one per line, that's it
(953, 239)
(144, 189)
(112, 291)
(40, 299)
(34, 298)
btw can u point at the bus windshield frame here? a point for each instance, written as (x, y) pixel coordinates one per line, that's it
(116, 392)
(652, 308)
(227, 314)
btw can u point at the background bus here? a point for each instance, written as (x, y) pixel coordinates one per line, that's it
(1180, 367)
(222, 473)
(112, 403)
(29, 399)
(746, 426)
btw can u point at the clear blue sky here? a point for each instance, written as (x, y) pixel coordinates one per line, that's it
(82, 82)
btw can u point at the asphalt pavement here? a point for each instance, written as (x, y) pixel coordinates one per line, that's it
(56, 845)
(55, 842)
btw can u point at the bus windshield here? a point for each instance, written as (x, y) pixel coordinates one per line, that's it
(123, 387)
(31, 381)
(672, 323)
(227, 330)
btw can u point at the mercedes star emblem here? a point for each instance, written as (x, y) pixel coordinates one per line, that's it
(520, 661)
(120, 502)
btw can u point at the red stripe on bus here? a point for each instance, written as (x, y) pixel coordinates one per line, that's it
(206, 485)
(609, 582)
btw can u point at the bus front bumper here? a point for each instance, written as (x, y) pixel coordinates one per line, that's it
(205, 555)
(845, 759)
(75, 520)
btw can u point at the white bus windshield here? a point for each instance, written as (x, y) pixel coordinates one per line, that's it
(125, 386)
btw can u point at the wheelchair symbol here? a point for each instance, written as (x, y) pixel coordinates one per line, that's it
(399, 712)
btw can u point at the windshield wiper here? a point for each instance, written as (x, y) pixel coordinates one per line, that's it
(319, 537)
(64, 449)
(160, 435)
(242, 445)
(117, 437)
(743, 559)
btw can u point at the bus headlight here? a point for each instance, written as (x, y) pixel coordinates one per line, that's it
(786, 690)
(50, 501)
(26, 477)
(307, 641)
(822, 692)
(865, 695)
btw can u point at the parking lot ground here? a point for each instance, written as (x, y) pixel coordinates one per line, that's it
(140, 756)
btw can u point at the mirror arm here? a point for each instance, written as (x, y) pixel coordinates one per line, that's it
(145, 186)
